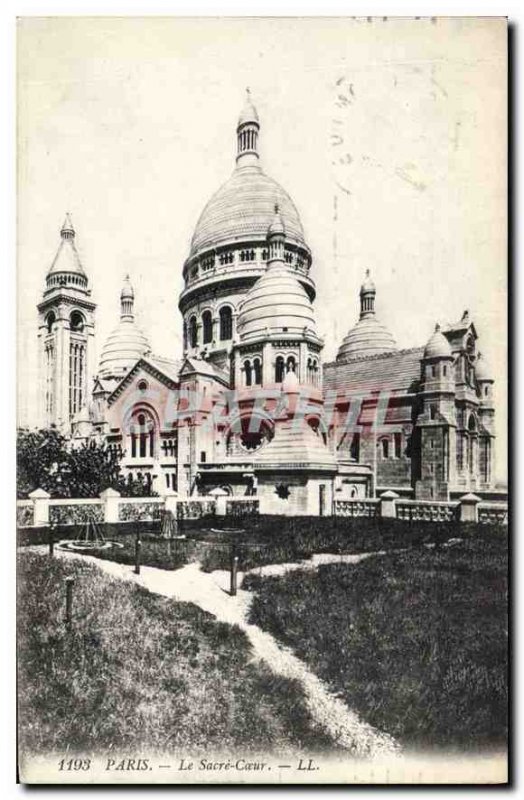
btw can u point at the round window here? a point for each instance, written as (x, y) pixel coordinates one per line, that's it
(142, 385)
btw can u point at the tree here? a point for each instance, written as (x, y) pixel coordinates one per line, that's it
(46, 460)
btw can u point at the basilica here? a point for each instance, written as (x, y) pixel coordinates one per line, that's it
(250, 409)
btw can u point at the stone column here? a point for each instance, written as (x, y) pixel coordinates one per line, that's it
(302, 363)
(40, 500)
(267, 366)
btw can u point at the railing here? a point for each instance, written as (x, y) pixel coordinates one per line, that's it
(427, 510)
(357, 508)
(493, 514)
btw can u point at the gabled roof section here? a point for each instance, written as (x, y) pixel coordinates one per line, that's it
(460, 327)
(197, 366)
(162, 369)
(398, 371)
(101, 385)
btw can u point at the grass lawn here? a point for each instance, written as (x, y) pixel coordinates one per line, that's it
(270, 540)
(140, 671)
(416, 641)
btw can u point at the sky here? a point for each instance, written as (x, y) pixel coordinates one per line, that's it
(389, 135)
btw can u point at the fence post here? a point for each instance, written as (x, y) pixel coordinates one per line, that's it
(234, 570)
(40, 500)
(69, 582)
(387, 504)
(138, 545)
(52, 539)
(469, 508)
(111, 499)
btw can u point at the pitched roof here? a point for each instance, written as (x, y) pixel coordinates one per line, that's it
(295, 446)
(67, 258)
(167, 366)
(156, 366)
(202, 367)
(398, 371)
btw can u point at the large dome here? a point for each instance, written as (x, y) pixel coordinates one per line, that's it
(276, 303)
(242, 210)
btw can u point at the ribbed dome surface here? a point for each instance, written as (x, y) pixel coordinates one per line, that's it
(437, 346)
(124, 346)
(242, 210)
(482, 370)
(369, 337)
(276, 303)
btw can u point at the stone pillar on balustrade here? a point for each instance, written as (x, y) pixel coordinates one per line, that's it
(469, 511)
(170, 500)
(388, 504)
(40, 500)
(111, 500)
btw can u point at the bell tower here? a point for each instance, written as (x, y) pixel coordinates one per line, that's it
(66, 328)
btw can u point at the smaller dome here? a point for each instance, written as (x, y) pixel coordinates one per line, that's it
(276, 303)
(482, 371)
(290, 383)
(367, 338)
(127, 292)
(123, 348)
(249, 112)
(437, 346)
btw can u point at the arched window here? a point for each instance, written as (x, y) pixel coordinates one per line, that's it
(226, 323)
(193, 332)
(279, 369)
(291, 364)
(76, 321)
(384, 444)
(247, 373)
(257, 369)
(50, 321)
(207, 327)
(142, 435)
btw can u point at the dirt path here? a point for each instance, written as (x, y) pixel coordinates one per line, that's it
(210, 591)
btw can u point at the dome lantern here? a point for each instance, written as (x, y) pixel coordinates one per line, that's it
(127, 299)
(67, 231)
(247, 133)
(276, 236)
(367, 297)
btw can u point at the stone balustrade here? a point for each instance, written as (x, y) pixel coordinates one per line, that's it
(41, 510)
